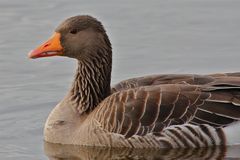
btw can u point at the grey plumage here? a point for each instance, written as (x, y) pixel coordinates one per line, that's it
(145, 112)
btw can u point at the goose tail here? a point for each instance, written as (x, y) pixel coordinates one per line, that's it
(204, 135)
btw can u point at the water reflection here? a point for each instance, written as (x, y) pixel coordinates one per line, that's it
(70, 152)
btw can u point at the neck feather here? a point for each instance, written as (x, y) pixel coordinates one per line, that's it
(92, 81)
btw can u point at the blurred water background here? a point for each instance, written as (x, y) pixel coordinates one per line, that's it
(148, 37)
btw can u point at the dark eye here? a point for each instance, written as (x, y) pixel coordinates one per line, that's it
(73, 31)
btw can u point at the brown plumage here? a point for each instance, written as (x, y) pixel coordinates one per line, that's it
(152, 111)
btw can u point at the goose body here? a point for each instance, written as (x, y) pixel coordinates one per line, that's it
(155, 111)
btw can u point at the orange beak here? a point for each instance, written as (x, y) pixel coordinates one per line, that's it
(51, 47)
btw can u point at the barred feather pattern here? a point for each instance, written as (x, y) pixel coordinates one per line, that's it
(154, 111)
(191, 136)
(92, 82)
(172, 113)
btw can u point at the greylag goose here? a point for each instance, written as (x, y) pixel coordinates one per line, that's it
(158, 111)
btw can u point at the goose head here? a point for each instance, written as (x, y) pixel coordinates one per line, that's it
(80, 37)
(83, 38)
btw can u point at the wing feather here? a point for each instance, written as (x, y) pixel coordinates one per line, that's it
(149, 104)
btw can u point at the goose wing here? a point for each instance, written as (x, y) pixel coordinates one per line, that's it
(191, 79)
(150, 109)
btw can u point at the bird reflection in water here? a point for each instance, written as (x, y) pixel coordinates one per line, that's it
(71, 152)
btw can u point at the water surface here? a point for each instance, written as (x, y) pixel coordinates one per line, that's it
(148, 37)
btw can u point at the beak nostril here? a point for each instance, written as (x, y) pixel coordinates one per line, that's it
(52, 47)
(46, 45)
